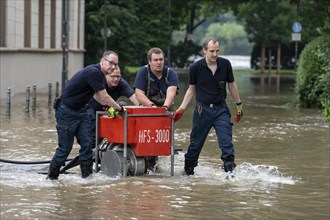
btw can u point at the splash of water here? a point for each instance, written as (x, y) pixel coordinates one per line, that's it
(246, 175)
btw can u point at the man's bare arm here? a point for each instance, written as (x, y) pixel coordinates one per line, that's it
(134, 100)
(142, 98)
(234, 92)
(190, 93)
(105, 99)
(170, 95)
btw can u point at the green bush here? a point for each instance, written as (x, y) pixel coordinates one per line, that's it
(313, 76)
(130, 70)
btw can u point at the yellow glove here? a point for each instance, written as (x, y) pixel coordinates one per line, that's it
(112, 113)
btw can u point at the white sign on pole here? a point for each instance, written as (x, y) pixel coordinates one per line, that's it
(296, 36)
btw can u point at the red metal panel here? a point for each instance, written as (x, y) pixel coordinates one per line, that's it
(113, 129)
(149, 136)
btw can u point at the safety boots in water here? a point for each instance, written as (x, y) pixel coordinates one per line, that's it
(151, 163)
(54, 171)
(189, 167)
(229, 164)
(86, 167)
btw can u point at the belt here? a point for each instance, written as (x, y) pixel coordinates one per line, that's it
(211, 105)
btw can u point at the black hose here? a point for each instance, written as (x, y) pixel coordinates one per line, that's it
(27, 162)
(74, 162)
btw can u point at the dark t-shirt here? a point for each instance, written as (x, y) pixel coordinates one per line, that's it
(122, 89)
(82, 86)
(211, 88)
(156, 85)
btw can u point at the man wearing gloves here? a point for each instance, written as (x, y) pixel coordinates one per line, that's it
(116, 87)
(207, 82)
(72, 119)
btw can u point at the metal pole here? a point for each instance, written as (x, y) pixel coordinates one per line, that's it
(172, 145)
(295, 55)
(65, 30)
(57, 91)
(96, 145)
(27, 106)
(49, 94)
(125, 145)
(105, 33)
(34, 97)
(8, 101)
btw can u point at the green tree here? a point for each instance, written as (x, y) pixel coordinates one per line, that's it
(136, 26)
(232, 36)
(313, 16)
(267, 21)
(139, 25)
(313, 74)
(195, 13)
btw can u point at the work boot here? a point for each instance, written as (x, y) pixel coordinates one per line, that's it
(86, 167)
(54, 171)
(189, 167)
(151, 163)
(229, 164)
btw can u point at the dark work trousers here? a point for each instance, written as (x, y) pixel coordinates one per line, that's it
(92, 117)
(205, 117)
(72, 123)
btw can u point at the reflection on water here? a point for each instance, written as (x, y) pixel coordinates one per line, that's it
(282, 156)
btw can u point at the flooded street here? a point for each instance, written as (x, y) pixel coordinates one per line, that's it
(282, 154)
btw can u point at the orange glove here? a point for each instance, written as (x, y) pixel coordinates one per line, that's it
(178, 114)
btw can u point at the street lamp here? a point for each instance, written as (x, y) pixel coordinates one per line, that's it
(106, 33)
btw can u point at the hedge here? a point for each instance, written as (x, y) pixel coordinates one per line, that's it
(313, 76)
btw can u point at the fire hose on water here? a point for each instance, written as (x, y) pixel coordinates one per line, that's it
(72, 163)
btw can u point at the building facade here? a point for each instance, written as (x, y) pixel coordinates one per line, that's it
(41, 42)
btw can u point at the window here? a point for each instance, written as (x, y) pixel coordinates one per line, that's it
(3, 23)
(41, 43)
(53, 24)
(27, 23)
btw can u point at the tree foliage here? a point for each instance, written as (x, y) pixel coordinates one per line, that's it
(232, 36)
(313, 74)
(267, 21)
(135, 25)
(314, 16)
(139, 25)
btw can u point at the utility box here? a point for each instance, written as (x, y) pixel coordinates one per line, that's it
(148, 130)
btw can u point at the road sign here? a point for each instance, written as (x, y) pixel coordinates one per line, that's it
(296, 27)
(296, 36)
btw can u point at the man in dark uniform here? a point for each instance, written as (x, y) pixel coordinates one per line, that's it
(207, 81)
(156, 84)
(72, 119)
(116, 87)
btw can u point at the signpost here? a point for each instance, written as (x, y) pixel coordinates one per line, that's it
(296, 27)
(296, 36)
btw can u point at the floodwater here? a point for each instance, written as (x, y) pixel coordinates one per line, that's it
(282, 154)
